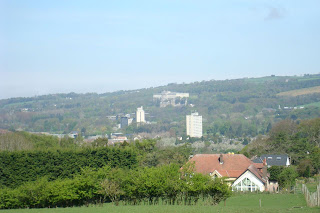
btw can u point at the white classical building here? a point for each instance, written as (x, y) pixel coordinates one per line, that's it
(194, 125)
(167, 98)
(140, 116)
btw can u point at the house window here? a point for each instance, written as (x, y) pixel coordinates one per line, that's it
(278, 158)
(245, 185)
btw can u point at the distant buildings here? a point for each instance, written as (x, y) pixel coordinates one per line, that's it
(140, 115)
(117, 138)
(73, 134)
(167, 98)
(194, 125)
(125, 121)
(90, 139)
(112, 117)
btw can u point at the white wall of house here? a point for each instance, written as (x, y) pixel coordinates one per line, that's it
(248, 182)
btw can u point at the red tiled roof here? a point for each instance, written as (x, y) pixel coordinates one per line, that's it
(258, 165)
(4, 131)
(256, 172)
(230, 173)
(233, 164)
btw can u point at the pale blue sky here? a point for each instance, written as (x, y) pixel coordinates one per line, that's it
(101, 46)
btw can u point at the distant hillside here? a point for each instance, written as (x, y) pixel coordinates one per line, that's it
(234, 108)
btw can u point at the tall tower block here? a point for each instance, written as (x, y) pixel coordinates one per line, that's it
(194, 125)
(140, 117)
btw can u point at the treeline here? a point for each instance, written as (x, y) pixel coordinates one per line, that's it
(166, 184)
(19, 167)
(141, 172)
(57, 173)
(14, 141)
(285, 176)
(300, 140)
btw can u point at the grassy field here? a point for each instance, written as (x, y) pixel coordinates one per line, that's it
(307, 79)
(237, 203)
(316, 104)
(264, 79)
(297, 92)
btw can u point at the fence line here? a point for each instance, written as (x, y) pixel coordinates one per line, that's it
(313, 199)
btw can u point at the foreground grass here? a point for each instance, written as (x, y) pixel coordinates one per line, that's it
(312, 186)
(237, 203)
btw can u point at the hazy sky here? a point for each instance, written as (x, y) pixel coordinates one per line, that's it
(101, 46)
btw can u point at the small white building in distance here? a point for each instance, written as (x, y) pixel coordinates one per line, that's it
(140, 117)
(194, 125)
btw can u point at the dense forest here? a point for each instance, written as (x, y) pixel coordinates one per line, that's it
(230, 108)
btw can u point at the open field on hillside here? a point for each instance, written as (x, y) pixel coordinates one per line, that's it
(305, 91)
(308, 79)
(237, 203)
(315, 104)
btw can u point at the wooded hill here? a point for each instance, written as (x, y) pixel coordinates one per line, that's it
(301, 142)
(234, 108)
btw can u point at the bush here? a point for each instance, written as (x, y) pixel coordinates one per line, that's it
(23, 166)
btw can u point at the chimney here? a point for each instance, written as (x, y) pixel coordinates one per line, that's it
(264, 162)
(221, 159)
(264, 172)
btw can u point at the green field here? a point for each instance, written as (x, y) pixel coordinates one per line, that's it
(297, 92)
(316, 104)
(237, 203)
(307, 79)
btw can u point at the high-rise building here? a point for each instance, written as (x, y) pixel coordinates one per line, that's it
(140, 117)
(194, 125)
(125, 121)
